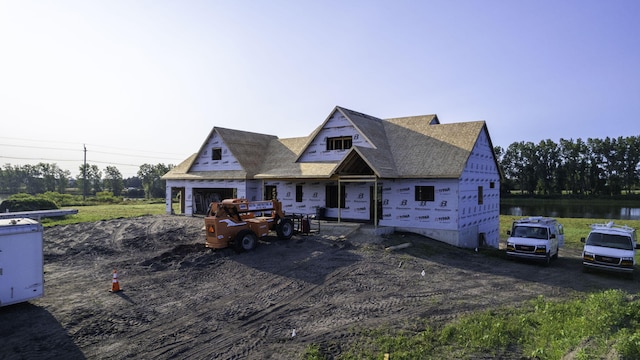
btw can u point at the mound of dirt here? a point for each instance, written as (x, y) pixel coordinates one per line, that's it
(182, 300)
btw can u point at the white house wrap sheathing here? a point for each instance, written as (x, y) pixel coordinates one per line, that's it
(457, 215)
(336, 126)
(381, 175)
(357, 198)
(204, 162)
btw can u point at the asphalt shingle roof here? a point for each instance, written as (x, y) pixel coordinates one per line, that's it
(407, 147)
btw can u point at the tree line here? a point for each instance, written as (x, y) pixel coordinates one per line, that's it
(90, 180)
(606, 167)
(609, 167)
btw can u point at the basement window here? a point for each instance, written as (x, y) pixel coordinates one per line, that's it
(216, 154)
(425, 193)
(339, 143)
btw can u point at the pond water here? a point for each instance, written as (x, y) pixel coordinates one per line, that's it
(557, 209)
(585, 210)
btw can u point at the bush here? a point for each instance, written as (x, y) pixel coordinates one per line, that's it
(25, 202)
(106, 197)
(61, 199)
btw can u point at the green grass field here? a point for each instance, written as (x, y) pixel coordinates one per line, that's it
(574, 228)
(107, 212)
(540, 329)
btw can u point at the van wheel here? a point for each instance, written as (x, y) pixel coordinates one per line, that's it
(284, 229)
(246, 240)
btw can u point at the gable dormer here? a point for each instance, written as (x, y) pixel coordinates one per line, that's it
(333, 139)
(215, 155)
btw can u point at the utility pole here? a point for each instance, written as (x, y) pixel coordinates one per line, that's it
(84, 174)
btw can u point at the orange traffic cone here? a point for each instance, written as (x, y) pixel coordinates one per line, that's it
(115, 285)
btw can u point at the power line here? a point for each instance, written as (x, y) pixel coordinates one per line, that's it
(146, 157)
(138, 150)
(37, 147)
(40, 141)
(67, 142)
(78, 160)
(93, 151)
(29, 158)
(141, 156)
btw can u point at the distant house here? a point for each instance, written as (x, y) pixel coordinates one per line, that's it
(409, 174)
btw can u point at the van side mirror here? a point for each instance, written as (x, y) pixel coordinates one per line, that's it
(582, 240)
(508, 232)
(637, 246)
(553, 236)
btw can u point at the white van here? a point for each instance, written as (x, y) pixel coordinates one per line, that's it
(610, 247)
(536, 238)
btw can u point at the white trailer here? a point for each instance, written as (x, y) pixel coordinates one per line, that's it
(21, 261)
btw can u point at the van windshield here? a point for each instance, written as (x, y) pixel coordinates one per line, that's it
(610, 241)
(531, 232)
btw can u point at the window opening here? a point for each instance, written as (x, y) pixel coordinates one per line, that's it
(216, 154)
(425, 193)
(298, 193)
(332, 196)
(339, 143)
(270, 192)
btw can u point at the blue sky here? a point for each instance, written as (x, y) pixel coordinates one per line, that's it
(145, 81)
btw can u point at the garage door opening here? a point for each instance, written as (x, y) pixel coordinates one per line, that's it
(204, 197)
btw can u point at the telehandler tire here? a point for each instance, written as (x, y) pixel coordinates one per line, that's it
(246, 240)
(284, 229)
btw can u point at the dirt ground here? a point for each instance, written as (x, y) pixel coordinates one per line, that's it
(181, 300)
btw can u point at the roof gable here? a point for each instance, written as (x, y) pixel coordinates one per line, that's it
(367, 161)
(339, 123)
(354, 164)
(240, 151)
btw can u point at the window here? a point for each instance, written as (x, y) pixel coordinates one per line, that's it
(216, 154)
(492, 185)
(480, 197)
(425, 193)
(298, 193)
(339, 143)
(332, 196)
(270, 192)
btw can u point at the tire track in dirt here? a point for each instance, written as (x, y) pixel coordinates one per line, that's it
(253, 329)
(252, 317)
(286, 292)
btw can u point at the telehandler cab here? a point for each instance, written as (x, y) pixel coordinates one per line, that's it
(235, 221)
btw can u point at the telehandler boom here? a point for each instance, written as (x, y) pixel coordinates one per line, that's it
(234, 222)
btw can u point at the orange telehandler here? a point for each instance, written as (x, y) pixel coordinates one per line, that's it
(234, 221)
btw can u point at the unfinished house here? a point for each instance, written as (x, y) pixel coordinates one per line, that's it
(409, 174)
